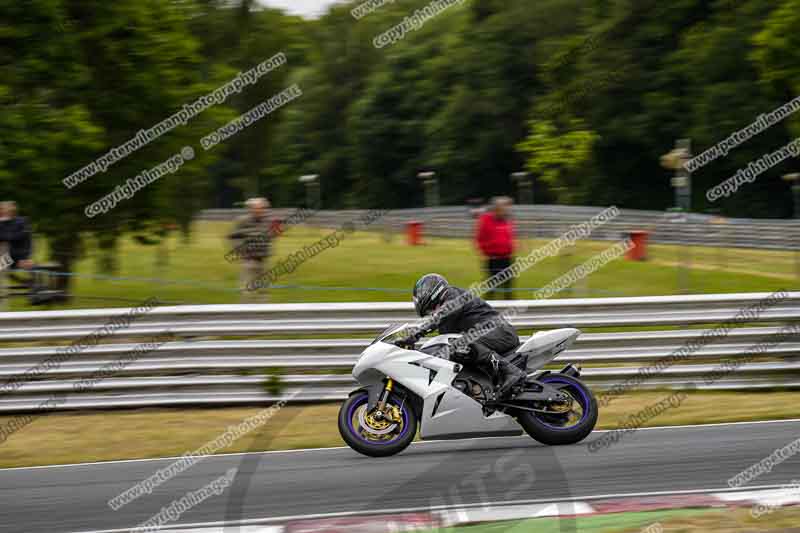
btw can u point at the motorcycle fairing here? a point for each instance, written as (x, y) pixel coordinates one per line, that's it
(544, 346)
(446, 412)
(540, 348)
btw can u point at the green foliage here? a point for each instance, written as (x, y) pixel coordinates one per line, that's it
(273, 383)
(555, 157)
(776, 53)
(585, 94)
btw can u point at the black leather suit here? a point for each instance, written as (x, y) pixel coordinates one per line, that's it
(470, 312)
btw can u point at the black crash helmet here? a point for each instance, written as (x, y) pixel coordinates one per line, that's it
(428, 293)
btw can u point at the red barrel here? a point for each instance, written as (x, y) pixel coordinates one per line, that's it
(638, 251)
(414, 232)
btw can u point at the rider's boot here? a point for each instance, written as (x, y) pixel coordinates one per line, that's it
(504, 373)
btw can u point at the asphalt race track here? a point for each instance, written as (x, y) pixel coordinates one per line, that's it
(74, 497)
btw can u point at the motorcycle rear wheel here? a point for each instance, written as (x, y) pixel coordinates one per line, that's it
(561, 429)
(376, 438)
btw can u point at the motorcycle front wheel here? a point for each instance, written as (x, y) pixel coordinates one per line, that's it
(375, 437)
(568, 427)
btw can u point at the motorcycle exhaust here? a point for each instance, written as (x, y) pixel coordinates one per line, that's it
(571, 371)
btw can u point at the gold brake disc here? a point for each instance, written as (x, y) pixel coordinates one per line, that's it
(374, 423)
(564, 406)
(380, 428)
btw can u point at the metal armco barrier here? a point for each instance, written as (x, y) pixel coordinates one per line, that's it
(224, 353)
(548, 221)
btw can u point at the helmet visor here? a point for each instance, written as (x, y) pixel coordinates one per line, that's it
(417, 306)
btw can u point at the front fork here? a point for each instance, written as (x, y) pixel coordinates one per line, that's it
(384, 412)
(384, 397)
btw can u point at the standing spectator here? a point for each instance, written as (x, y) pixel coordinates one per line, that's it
(252, 235)
(4, 225)
(15, 231)
(495, 239)
(15, 247)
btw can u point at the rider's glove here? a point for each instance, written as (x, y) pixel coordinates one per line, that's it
(410, 339)
(407, 341)
(459, 347)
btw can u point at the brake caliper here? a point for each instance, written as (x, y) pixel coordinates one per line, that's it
(393, 413)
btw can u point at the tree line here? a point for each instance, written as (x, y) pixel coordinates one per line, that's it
(586, 95)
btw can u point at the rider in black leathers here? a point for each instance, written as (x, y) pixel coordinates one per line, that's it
(450, 309)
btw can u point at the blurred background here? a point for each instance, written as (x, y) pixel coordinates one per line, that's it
(450, 140)
(557, 104)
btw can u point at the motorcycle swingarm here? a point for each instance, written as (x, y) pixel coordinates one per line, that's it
(547, 393)
(523, 408)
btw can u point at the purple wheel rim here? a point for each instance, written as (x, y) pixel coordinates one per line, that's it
(583, 401)
(362, 399)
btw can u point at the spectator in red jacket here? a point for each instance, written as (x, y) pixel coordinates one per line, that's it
(495, 239)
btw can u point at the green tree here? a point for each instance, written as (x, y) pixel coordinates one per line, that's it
(559, 159)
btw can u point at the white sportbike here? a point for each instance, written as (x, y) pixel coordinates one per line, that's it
(405, 389)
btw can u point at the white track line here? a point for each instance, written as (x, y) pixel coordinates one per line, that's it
(574, 499)
(418, 443)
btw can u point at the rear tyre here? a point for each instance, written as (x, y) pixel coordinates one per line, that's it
(566, 428)
(376, 438)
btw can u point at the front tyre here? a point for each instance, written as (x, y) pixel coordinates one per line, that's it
(566, 427)
(377, 437)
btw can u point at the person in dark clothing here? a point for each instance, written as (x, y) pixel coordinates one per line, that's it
(16, 233)
(487, 334)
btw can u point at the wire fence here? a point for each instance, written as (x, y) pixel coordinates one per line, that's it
(533, 221)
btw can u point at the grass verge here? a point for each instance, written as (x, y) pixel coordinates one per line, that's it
(197, 272)
(672, 521)
(608, 523)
